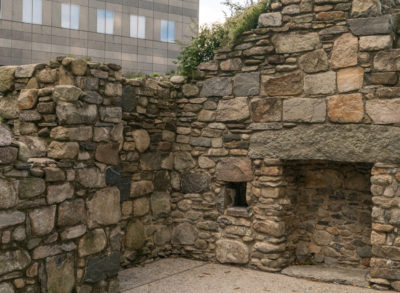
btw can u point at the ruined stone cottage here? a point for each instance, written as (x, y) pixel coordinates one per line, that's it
(285, 149)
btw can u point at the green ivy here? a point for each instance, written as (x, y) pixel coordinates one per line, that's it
(201, 47)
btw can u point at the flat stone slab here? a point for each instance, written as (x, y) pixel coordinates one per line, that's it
(346, 276)
(182, 275)
(342, 143)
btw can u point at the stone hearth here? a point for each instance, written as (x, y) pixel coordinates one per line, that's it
(332, 205)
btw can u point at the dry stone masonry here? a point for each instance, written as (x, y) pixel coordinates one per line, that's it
(85, 160)
(283, 150)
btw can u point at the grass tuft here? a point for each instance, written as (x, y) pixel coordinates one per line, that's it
(202, 46)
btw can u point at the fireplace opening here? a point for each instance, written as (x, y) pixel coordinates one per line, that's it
(330, 216)
(236, 193)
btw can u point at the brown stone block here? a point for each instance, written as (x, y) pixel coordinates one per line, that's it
(27, 99)
(231, 64)
(108, 153)
(7, 78)
(350, 79)
(104, 207)
(63, 150)
(387, 60)
(385, 78)
(71, 213)
(234, 170)
(384, 111)
(42, 220)
(382, 227)
(345, 51)
(362, 8)
(93, 242)
(346, 108)
(331, 15)
(295, 42)
(276, 229)
(8, 155)
(141, 188)
(388, 92)
(314, 61)
(266, 110)
(289, 84)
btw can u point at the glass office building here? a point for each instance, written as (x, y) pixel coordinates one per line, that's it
(143, 36)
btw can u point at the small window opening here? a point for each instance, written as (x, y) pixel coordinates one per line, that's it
(237, 192)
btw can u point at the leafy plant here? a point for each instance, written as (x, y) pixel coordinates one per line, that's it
(201, 47)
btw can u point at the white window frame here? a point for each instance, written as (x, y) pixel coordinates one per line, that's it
(32, 11)
(137, 26)
(66, 19)
(105, 26)
(170, 25)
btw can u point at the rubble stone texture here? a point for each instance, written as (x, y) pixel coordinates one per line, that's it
(281, 149)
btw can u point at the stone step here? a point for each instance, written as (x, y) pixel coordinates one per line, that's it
(340, 275)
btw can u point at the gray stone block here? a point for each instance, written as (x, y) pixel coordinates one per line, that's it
(217, 87)
(371, 25)
(346, 143)
(100, 268)
(246, 84)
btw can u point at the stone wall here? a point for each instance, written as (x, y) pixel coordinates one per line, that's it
(331, 221)
(99, 172)
(84, 174)
(149, 114)
(316, 81)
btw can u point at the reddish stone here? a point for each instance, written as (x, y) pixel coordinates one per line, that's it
(345, 52)
(346, 108)
(289, 84)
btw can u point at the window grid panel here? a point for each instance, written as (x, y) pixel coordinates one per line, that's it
(142, 27)
(27, 11)
(134, 26)
(137, 26)
(32, 11)
(164, 31)
(74, 17)
(37, 12)
(101, 21)
(109, 22)
(171, 31)
(167, 31)
(65, 16)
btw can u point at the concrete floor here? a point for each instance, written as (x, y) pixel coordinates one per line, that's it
(178, 275)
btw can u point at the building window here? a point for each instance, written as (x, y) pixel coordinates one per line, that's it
(138, 26)
(105, 21)
(32, 11)
(167, 31)
(70, 16)
(0, 10)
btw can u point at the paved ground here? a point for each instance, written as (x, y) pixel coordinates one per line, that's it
(177, 275)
